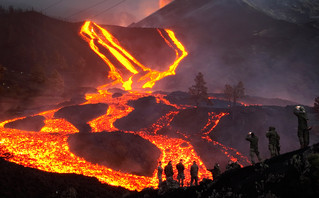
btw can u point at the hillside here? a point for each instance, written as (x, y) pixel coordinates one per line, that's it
(293, 174)
(19, 181)
(231, 41)
(44, 61)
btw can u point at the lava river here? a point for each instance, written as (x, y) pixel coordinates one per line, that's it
(48, 149)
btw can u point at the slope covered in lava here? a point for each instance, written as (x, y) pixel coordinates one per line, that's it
(192, 123)
(293, 174)
(45, 61)
(230, 41)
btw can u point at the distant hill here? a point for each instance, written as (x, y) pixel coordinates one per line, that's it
(295, 11)
(231, 41)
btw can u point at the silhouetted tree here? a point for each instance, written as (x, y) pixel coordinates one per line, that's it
(228, 91)
(198, 91)
(234, 92)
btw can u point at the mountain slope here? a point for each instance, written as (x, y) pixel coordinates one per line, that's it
(229, 41)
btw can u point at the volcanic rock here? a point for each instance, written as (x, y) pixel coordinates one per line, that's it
(117, 150)
(116, 95)
(146, 112)
(79, 115)
(19, 181)
(179, 97)
(191, 121)
(33, 123)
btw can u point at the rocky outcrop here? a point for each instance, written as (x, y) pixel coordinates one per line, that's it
(79, 115)
(33, 123)
(117, 150)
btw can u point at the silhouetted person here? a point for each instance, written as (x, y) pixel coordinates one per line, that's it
(235, 165)
(253, 139)
(273, 138)
(229, 165)
(194, 173)
(215, 171)
(303, 129)
(168, 170)
(180, 176)
(232, 165)
(159, 173)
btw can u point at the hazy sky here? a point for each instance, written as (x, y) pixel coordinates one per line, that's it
(115, 12)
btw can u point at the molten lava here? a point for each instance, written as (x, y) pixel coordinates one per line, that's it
(95, 34)
(48, 149)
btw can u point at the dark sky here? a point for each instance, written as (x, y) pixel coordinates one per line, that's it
(113, 12)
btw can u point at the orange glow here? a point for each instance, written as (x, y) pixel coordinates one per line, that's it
(92, 33)
(163, 3)
(48, 149)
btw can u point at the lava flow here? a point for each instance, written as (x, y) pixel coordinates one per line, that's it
(48, 149)
(93, 34)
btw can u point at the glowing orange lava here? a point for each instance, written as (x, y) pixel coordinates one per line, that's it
(93, 34)
(48, 149)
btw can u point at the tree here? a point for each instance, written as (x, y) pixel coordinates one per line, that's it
(198, 91)
(234, 92)
(228, 91)
(239, 92)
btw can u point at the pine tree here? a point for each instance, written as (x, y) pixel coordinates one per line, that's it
(234, 92)
(228, 91)
(239, 92)
(198, 91)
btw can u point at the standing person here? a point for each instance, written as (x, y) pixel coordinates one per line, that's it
(180, 176)
(194, 173)
(303, 130)
(168, 170)
(229, 166)
(253, 139)
(215, 171)
(159, 173)
(274, 138)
